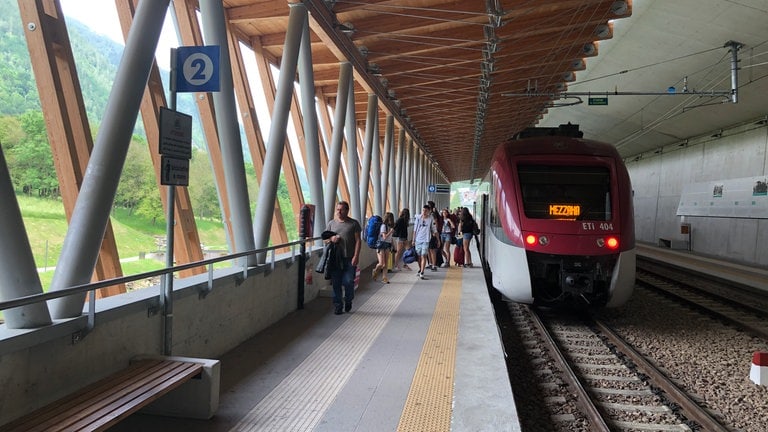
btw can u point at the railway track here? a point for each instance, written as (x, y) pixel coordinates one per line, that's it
(589, 379)
(736, 304)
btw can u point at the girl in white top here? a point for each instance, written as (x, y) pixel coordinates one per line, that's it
(385, 245)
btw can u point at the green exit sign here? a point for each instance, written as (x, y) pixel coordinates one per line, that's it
(598, 101)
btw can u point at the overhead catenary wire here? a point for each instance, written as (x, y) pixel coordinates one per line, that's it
(635, 69)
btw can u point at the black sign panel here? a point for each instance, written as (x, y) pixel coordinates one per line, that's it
(174, 171)
(175, 134)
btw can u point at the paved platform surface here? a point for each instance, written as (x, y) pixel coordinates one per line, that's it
(413, 355)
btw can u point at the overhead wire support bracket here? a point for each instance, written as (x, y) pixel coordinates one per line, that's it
(731, 94)
(569, 95)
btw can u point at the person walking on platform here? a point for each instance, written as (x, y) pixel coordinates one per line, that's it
(400, 237)
(424, 229)
(347, 238)
(447, 235)
(384, 246)
(435, 243)
(467, 231)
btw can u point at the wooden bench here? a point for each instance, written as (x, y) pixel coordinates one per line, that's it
(106, 402)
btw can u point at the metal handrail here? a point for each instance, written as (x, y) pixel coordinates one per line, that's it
(93, 286)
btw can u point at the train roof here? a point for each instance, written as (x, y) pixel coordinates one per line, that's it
(558, 141)
(557, 145)
(561, 145)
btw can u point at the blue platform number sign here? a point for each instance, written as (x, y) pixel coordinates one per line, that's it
(197, 69)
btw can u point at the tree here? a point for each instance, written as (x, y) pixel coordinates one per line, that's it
(31, 158)
(11, 133)
(138, 175)
(150, 206)
(202, 187)
(284, 198)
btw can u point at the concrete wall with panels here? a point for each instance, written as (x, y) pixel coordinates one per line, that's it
(658, 179)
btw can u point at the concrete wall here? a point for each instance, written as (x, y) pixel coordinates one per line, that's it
(41, 365)
(658, 179)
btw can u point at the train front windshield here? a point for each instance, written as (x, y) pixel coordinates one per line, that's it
(565, 192)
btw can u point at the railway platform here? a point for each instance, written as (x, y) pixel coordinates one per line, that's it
(412, 355)
(751, 276)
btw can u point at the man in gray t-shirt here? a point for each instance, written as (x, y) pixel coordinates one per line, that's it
(348, 242)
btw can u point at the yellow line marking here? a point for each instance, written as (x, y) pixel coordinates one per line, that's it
(430, 399)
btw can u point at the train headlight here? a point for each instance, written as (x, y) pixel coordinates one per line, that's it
(530, 239)
(611, 243)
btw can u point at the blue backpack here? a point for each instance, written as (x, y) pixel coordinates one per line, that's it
(372, 231)
(410, 255)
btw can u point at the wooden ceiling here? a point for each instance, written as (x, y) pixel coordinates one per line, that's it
(444, 68)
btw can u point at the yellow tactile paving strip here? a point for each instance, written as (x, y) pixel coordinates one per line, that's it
(430, 399)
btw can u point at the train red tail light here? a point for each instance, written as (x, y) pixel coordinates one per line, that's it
(532, 239)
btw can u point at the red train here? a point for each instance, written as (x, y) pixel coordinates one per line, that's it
(558, 223)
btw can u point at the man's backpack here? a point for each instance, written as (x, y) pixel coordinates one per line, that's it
(372, 231)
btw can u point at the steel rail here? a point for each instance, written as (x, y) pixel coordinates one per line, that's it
(690, 408)
(597, 421)
(757, 331)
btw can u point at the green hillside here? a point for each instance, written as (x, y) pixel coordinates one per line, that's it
(137, 217)
(135, 236)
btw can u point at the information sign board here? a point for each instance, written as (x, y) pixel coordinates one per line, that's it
(175, 134)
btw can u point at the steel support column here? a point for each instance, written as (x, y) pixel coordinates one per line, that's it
(250, 121)
(289, 173)
(376, 172)
(326, 128)
(399, 170)
(337, 136)
(97, 194)
(418, 201)
(365, 172)
(386, 177)
(420, 174)
(408, 186)
(416, 185)
(311, 140)
(353, 161)
(18, 272)
(215, 33)
(265, 204)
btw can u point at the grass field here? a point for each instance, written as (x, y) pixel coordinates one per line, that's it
(46, 227)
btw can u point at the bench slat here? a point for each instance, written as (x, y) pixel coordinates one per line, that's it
(112, 398)
(82, 402)
(129, 403)
(67, 403)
